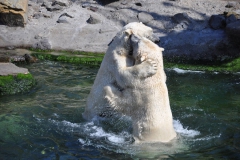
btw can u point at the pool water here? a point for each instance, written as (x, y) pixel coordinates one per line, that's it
(46, 123)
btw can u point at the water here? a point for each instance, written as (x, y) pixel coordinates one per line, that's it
(46, 123)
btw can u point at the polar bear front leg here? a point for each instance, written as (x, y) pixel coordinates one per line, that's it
(117, 99)
(126, 76)
(146, 68)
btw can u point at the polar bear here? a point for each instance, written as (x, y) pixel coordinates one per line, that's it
(118, 67)
(145, 100)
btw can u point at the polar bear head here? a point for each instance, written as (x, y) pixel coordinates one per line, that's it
(141, 30)
(122, 39)
(143, 49)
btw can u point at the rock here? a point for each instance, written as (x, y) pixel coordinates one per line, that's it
(92, 20)
(37, 15)
(56, 5)
(180, 18)
(10, 47)
(55, 8)
(144, 17)
(105, 2)
(46, 15)
(181, 21)
(233, 31)
(40, 1)
(181, 26)
(124, 2)
(165, 25)
(4, 59)
(14, 79)
(62, 19)
(13, 12)
(29, 58)
(11, 69)
(86, 4)
(67, 15)
(61, 3)
(94, 9)
(231, 18)
(231, 4)
(236, 14)
(43, 44)
(217, 22)
(17, 59)
(138, 4)
(46, 4)
(16, 56)
(125, 16)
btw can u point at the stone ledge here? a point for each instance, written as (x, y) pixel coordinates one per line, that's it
(11, 69)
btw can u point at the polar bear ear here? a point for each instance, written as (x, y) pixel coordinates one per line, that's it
(128, 32)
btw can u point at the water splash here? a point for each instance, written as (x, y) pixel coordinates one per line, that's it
(181, 71)
(184, 131)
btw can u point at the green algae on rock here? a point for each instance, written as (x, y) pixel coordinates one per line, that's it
(230, 66)
(87, 58)
(13, 84)
(95, 59)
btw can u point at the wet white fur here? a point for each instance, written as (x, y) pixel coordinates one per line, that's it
(117, 67)
(146, 100)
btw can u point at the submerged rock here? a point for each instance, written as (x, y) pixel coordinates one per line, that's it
(13, 12)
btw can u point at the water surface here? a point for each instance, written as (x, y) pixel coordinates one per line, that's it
(46, 123)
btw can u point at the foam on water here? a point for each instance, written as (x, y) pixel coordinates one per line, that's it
(90, 134)
(181, 71)
(90, 129)
(184, 131)
(207, 138)
(94, 131)
(99, 132)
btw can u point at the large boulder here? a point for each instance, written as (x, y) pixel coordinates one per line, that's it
(13, 12)
(233, 31)
(217, 21)
(144, 17)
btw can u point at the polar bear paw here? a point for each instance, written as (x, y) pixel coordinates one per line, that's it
(148, 68)
(109, 95)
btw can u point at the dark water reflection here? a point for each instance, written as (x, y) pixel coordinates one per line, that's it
(46, 123)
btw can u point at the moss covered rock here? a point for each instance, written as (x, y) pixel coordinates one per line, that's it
(229, 66)
(13, 84)
(14, 79)
(86, 58)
